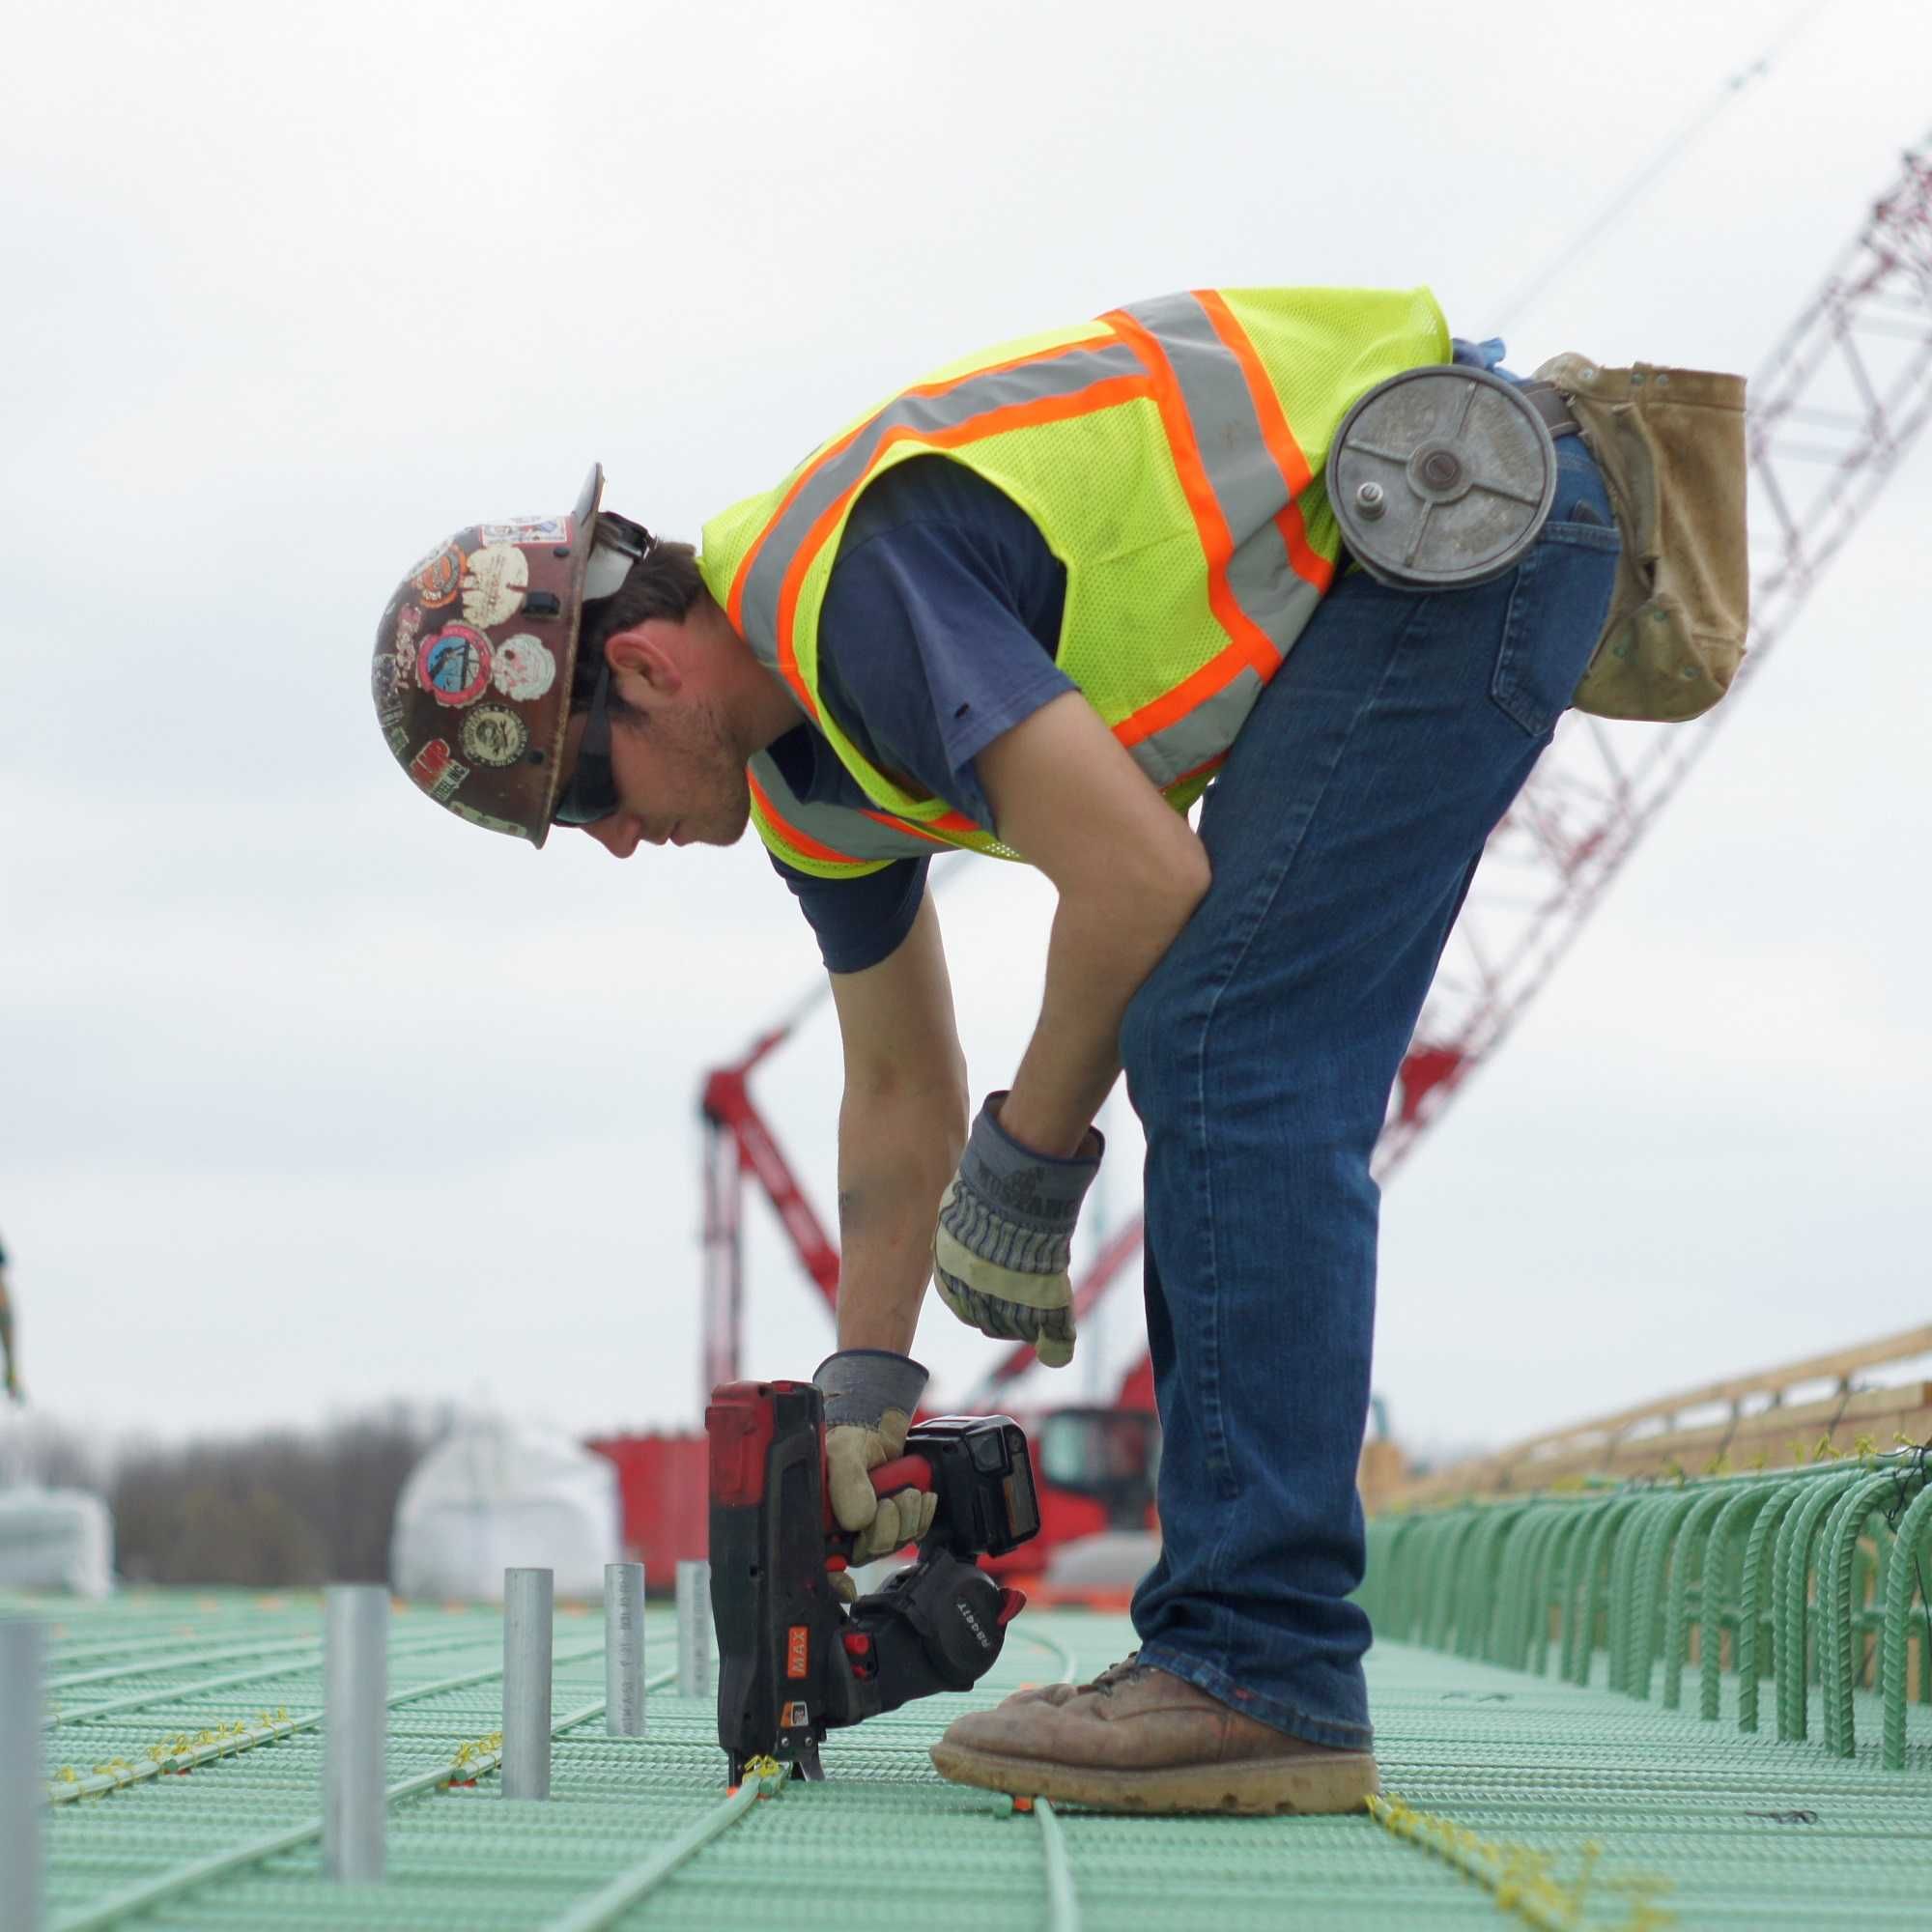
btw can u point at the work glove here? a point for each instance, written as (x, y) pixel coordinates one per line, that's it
(870, 1397)
(1006, 1234)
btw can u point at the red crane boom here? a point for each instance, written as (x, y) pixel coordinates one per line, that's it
(738, 1143)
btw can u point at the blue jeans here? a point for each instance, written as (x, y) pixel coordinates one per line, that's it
(1344, 831)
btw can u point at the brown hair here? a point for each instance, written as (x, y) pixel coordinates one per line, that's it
(665, 583)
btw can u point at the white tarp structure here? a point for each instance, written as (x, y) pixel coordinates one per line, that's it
(55, 1540)
(495, 1495)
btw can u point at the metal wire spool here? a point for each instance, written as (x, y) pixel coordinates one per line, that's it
(1441, 478)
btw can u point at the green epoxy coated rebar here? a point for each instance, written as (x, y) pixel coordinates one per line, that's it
(1793, 1657)
(1063, 1900)
(1837, 1567)
(1912, 1532)
(1506, 1781)
(1694, 1543)
(1623, 1562)
(624, 1890)
(1736, 1513)
(1756, 1600)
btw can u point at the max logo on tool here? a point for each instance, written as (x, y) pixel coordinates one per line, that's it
(798, 1651)
(974, 1625)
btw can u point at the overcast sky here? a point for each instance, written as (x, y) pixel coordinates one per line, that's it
(311, 1095)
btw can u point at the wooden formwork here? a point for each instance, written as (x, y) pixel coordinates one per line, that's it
(1746, 1422)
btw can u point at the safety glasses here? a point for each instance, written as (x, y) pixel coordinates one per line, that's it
(618, 546)
(592, 792)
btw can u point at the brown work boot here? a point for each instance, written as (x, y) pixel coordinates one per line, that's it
(1138, 1739)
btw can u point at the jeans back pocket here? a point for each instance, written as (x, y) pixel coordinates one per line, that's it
(1557, 608)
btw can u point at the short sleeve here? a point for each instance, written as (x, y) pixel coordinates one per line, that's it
(858, 923)
(939, 627)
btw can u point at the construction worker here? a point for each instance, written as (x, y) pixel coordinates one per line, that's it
(9, 1373)
(1035, 605)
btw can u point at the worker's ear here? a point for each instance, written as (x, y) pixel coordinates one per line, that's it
(650, 653)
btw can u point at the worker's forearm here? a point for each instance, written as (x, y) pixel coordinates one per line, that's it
(1104, 944)
(896, 1152)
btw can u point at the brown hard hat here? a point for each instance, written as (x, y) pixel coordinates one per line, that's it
(476, 654)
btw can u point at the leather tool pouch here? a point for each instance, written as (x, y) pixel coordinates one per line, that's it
(1671, 446)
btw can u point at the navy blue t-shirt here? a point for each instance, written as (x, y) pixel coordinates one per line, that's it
(937, 635)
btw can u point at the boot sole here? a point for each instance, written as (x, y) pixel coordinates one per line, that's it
(1268, 1787)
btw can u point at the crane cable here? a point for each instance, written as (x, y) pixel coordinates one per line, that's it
(1650, 172)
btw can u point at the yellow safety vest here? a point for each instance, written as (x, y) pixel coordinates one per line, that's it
(1170, 452)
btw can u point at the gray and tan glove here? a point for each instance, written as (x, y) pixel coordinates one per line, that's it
(1001, 1253)
(870, 1397)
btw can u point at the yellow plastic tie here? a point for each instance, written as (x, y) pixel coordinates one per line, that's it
(1517, 1875)
(471, 1754)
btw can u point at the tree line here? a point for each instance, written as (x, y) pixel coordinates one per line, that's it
(279, 1508)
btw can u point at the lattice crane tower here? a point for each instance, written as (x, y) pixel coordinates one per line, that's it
(1830, 413)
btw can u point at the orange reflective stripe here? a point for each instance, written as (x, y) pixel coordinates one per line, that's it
(906, 825)
(1171, 706)
(1026, 361)
(954, 821)
(735, 603)
(1308, 562)
(1249, 644)
(735, 606)
(1212, 764)
(800, 842)
(1101, 395)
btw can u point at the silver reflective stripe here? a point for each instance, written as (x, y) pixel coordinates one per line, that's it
(1063, 373)
(1204, 733)
(845, 830)
(1246, 480)
(1251, 491)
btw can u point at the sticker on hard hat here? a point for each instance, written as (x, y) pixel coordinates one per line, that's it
(402, 649)
(494, 736)
(393, 716)
(436, 769)
(495, 578)
(485, 820)
(439, 576)
(527, 531)
(454, 666)
(524, 668)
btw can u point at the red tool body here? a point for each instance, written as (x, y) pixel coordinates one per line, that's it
(794, 1660)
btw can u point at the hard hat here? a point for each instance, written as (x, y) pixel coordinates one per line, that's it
(476, 653)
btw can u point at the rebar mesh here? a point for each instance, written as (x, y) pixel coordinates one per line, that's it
(1514, 1777)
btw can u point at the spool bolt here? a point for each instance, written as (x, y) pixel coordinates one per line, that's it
(1369, 503)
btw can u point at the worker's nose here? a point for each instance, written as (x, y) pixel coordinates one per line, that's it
(619, 835)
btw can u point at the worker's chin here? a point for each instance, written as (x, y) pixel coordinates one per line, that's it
(722, 828)
(732, 822)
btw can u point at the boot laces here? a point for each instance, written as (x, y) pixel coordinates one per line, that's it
(1124, 1672)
